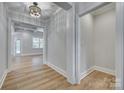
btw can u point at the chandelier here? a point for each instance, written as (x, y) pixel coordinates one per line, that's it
(35, 11)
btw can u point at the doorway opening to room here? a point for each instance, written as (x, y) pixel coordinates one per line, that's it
(97, 40)
(27, 45)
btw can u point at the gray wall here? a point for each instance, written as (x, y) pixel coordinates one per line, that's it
(86, 37)
(26, 42)
(104, 39)
(56, 53)
(98, 40)
(3, 40)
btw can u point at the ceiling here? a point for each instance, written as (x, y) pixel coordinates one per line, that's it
(103, 9)
(47, 8)
(19, 27)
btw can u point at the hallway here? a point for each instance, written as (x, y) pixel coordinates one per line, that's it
(61, 46)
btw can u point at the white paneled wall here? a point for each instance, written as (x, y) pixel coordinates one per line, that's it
(3, 41)
(57, 40)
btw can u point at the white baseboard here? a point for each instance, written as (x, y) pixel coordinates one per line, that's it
(86, 73)
(31, 54)
(118, 85)
(3, 78)
(57, 69)
(105, 70)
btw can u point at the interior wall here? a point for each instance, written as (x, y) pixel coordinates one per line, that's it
(3, 40)
(86, 37)
(98, 41)
(104, 39)
(26, 42)
(56, 52)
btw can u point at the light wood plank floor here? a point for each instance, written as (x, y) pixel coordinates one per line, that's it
(30, 73)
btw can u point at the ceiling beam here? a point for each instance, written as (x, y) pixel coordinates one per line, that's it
(64, 5)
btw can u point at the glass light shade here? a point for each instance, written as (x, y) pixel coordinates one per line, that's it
(35, 11)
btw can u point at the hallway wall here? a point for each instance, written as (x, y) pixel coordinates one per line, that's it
(104, 39)
(98, 41)
(3, 40)
(56, 53)
(86, 37)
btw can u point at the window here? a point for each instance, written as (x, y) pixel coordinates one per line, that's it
(18, 46)
(38, 42)
(35, 42)
(41, 43)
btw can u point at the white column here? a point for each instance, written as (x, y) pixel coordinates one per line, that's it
(71, 51)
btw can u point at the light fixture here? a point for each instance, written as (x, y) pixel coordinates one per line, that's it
(35, 11)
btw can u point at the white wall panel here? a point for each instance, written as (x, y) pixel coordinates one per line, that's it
(57, 40)
(3, 40)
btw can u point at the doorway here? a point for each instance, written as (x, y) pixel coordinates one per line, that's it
(97, 41)
(27, 45)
